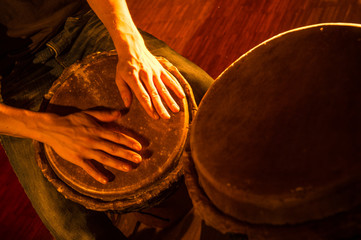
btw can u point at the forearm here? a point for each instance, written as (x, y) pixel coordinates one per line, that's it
(21, 123)
(116, 17)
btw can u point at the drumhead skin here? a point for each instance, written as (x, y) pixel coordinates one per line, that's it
(91, 84)
(277, 138)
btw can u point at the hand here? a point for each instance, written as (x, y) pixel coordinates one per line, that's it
(137, 68)
(141, 72)
(80, 137)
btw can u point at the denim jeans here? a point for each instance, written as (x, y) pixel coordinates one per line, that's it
(25, 87)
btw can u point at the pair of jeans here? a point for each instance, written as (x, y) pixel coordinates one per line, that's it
(25, 88)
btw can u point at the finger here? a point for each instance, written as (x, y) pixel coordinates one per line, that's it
(124, 91)
(110, 161)
(142, 95)
(171, 82)
(119, 151)
(153, 93)
(120, 138)
(104, 115)
(172, 72)
(93, 171)
(166, 96)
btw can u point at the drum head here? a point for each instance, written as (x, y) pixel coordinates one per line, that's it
(91, 84)
(277, 138)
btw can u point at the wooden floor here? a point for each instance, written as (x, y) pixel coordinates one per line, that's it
(211, 33)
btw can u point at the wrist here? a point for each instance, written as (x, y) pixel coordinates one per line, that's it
(41, 125)
(34, 125)
(127, 42)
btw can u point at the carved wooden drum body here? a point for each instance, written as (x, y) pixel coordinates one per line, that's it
(276, 142)
(90, 84)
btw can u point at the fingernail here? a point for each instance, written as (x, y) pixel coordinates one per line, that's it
(155, 116)
(166, 115)
(137, 158)
(176, 107)
(104, 181)
(137, 146)
(126, 101)
(126, 168)
(115, 113)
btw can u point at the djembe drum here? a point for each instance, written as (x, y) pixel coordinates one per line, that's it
(276, 142)
(90, 84)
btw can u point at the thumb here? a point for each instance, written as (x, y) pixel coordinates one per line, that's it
(104, 115)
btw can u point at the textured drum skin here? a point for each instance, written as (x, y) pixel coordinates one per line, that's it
(90, 84)
(277, 138)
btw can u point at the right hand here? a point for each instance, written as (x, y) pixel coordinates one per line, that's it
(138, 70)
(79, 137)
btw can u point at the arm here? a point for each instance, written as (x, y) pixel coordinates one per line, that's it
(76, 137)
(137, 68)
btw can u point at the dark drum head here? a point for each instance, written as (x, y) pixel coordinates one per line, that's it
(91, 84)
(276, 142)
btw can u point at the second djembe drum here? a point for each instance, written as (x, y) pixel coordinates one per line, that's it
(276, 142)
